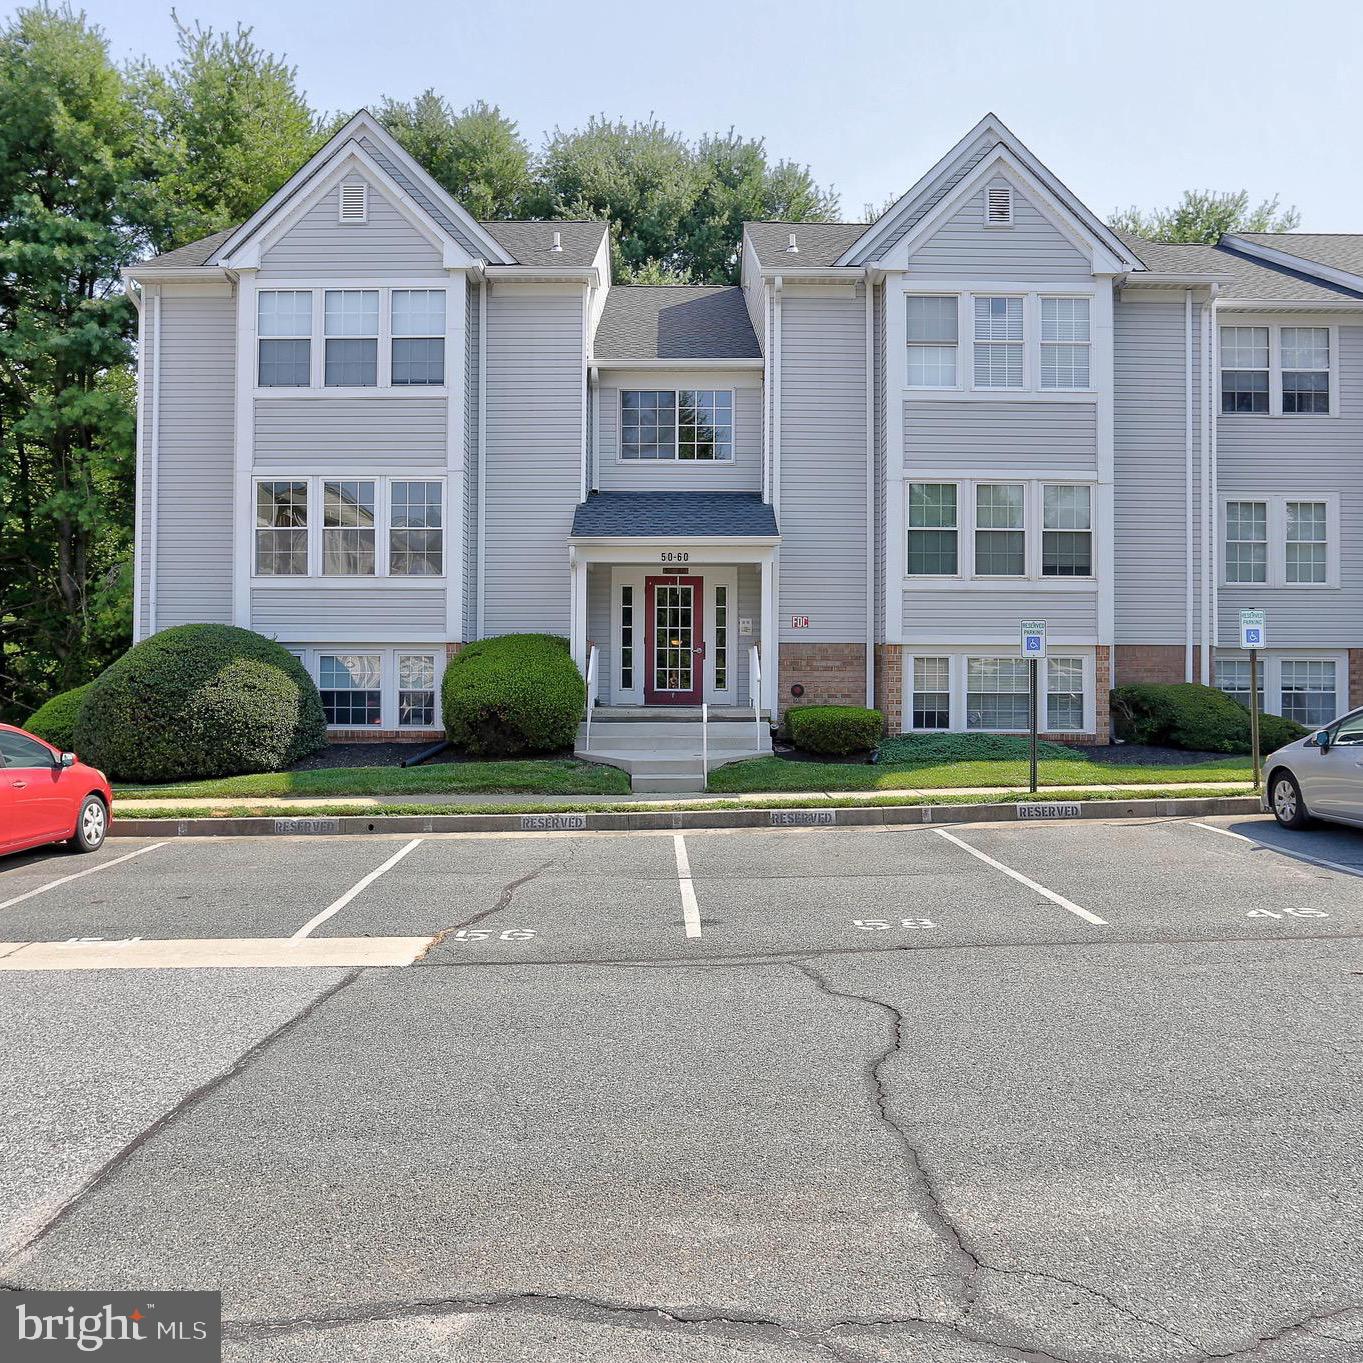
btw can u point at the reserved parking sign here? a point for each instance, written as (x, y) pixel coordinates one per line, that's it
(1033, 639)
(1252, 629)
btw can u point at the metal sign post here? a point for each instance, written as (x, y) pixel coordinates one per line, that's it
(1032, 646)
(1252, 637)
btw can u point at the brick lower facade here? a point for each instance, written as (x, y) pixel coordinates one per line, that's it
(385, 735)
(890, 685)
(831, 674)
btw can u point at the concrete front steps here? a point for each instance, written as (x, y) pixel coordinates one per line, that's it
(660, 748)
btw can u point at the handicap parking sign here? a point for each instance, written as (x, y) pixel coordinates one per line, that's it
(1032, 642)
(1252, 629)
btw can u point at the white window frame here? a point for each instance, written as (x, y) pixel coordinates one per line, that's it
(1033, 518)
(958, 659)
(1099, 342)
(910, 345)
(383, 528)
(310, 656)
(1276, 503)
(317, 386)
(1275, 325)
(1271, 673)
(676, 461)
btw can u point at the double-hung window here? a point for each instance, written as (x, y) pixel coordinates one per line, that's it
(1232, 677)
(284, 329)
(933, 333)
(1304, 359)
(1000, 530)
(416, 690)
(1308, 690)
(418, 325)
(1065, 343)
(348, 528)
(996, 693)
(688, 424)
(931, 693)
(1247, 542)
(351, 687)
(1244, 369)
(1064, 695)
(998, 342)
(1281, 541)
(416, 534)
(1066, 531)
(351, 328)
(933, 531)
(282, 528)
(1275, 370)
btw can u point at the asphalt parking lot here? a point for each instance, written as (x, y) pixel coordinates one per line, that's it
(1084, 1092)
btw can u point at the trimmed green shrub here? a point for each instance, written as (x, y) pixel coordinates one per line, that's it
(943, 749)
(56, 719)
(199, 701)
(518, 693)
(834, 730)
(1198, 718)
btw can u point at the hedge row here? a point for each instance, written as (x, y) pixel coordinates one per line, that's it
(1198, 718)
(834, 730)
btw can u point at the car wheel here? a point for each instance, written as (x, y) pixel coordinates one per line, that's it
(1284, 798)
(91, 827)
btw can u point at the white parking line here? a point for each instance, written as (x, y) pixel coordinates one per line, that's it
(690, 909)
(1023, 880)
(355, 889)
(1288, 852)
(76, 875)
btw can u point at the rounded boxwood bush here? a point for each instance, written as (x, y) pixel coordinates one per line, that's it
(1198, 718)
(834, 730)
(518, 693)
(200, 701)
(55, 720)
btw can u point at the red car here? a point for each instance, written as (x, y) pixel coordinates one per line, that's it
(49, 796)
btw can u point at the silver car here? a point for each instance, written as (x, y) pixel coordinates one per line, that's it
(1318, 777)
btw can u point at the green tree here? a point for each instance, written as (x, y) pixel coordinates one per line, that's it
(1204, 215)
(231, 127)
(477, 155)
(77, 190)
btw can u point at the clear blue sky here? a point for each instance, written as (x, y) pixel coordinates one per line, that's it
(1126, 103)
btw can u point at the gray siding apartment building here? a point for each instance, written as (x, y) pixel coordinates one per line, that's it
(376, 429)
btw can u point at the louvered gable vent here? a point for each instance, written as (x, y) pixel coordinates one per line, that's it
(998, 206)
(354, 202)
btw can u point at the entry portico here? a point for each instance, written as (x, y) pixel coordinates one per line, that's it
(674, 589)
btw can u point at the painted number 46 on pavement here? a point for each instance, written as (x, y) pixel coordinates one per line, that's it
(1291, 913)
(881, 924)
(484, 934)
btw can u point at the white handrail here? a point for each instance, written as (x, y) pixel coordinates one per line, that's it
(705, 745)
(591, 697)
(755, 690)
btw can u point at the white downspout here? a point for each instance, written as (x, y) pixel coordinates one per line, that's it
(154, 497)
(1189, 612)
(482, 453)
(771, 664)
(767, 395)
(139, 462)
(870, 496)
(1213, 427)
(1204, 671)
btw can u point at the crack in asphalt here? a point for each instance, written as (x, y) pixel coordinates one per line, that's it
(1285, 1332)
(503, 901)
(187, 1104)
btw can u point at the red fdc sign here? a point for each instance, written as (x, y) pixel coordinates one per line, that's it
(799, 622)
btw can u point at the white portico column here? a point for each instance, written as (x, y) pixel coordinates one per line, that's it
(577, 628)
(768, 634)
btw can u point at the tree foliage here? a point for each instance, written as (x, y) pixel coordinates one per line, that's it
(1205, 215)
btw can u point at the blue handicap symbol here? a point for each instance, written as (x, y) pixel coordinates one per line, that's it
(1252, 636)
(1033, 643)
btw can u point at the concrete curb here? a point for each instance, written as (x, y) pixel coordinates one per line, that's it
(851, 816)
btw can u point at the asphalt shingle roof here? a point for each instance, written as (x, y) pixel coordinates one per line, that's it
(1250, 279)
(820, 243)
(192, 252)
(651, 515)
(530, 242)
(674, 322)
(1338, 250)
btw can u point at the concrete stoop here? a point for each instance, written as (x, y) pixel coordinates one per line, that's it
(662, 754)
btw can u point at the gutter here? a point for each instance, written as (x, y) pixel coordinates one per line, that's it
(1189, 608)
(481, 560)
(616, 362)
(566, 274)
(870, 495)
(154, 495)
(135, 293)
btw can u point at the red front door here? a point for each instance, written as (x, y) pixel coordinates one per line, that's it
(674, 641)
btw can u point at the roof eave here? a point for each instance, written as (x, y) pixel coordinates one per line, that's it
(1273, 255)
(657, 362)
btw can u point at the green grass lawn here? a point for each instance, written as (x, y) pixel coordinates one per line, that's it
(546, 776)
(939, 761)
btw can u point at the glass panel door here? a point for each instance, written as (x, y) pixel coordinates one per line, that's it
(674, 648)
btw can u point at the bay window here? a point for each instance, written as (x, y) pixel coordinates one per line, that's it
(933, 330)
